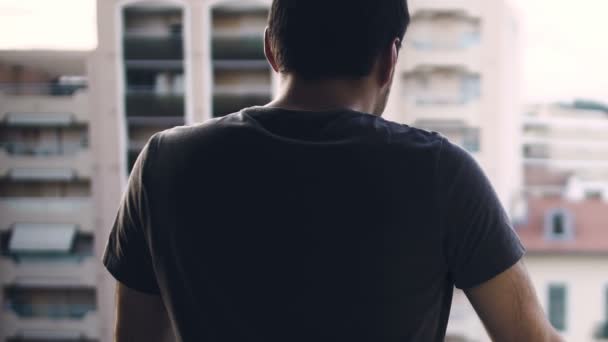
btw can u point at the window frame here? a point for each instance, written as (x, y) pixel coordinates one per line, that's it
(568, 225)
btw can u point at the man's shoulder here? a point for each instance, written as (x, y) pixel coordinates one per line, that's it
(186, 133)
(406, 135)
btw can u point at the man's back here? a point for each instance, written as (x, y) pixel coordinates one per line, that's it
(278, 225)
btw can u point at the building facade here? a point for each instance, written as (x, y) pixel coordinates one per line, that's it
(68, 144)
(567, 257)
(159, 64)
(48, 269)
(458, 74)
(567, 260)
(165, 63)
(565, 149)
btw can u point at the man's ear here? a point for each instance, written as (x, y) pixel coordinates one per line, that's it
(268, 51)
(388, 63)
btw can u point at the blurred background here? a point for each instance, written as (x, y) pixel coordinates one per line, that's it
(522, 85)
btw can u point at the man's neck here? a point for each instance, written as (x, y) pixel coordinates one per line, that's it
(323, 95)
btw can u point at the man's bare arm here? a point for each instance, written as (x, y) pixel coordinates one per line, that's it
(510, 310)
(140, 317)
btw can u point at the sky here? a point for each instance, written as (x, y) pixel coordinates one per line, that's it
(564, 44)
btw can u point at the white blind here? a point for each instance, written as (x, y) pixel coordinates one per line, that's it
(39, 119)
(39, 238)
(42, 174)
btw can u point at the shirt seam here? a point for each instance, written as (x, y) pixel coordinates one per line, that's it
(147, 163)
(439, 207)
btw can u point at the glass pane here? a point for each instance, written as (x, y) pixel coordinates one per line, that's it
(557, 306)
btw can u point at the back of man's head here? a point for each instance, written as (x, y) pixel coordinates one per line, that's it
(322, 39)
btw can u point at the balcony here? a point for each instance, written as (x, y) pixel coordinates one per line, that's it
(56, 302)
(141, 47)
(416, 58)
(232, 98)
(238, 47)
(144, 106)
(44, 109)
(56, 271)
(44, 335)
(456, 131)
(28, 243)
(72, 210)
(68, 87)
(468, 113)
(16, 156)
(45, 329)
(468, 8)
(566, 151)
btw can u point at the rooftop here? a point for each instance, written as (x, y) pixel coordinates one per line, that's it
(588, 220)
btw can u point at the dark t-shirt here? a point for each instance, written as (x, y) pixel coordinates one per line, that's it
(279, 225)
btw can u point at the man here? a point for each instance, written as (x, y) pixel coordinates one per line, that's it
(312, 218)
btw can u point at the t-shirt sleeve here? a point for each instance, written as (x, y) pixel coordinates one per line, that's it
(127, 254)
(479, 242)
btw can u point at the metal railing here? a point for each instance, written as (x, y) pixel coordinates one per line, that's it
(466, 41)
(225, 103)
(148, 102)
(50, 311)
(37, 150)
(139, 47)
(238, 48)
(50, 89)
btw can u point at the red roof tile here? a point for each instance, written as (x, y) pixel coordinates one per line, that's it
(590, 223)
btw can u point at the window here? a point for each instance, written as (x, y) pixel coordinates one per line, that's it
(557, 306)
(470, 87)
(601, 332)
(470, 38)
(50, 302)
(470, 140)
(606, 305)
(559, 225)
(593, 194)
(536, 151)
(39, 238)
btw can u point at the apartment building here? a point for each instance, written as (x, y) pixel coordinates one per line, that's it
(567, 257)
(170, 62)
(47, 267)
(565, 149)
(459, 75)
(159, 64)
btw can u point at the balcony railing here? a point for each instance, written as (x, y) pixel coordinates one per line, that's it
(77, 250)
(145, 102)
(153, 48)
(235, 48)
(466, 40)
(53, 89)
(37, 150)
(226, 103)
(76, 311)
(76, 210)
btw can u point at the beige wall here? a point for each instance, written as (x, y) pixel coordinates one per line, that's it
(109, 133)
(44, 202)
(586, 278)
(495, 59)
(568, 140)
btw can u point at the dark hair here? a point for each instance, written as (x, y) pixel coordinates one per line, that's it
(318, 39)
